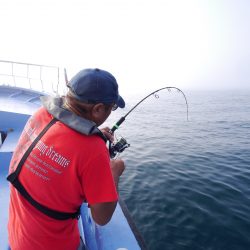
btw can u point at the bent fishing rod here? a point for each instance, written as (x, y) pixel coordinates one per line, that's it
(121, 145)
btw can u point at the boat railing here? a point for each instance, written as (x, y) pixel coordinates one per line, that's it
(32, 76)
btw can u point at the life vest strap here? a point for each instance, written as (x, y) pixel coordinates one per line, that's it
(13, 179)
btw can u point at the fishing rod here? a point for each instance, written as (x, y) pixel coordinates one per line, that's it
(121, 145)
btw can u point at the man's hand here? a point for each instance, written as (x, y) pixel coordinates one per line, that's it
(106, 132)
(117, 168)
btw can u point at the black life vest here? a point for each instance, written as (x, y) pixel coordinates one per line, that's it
(13, 179)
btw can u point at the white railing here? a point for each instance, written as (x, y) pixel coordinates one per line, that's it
(33, 76)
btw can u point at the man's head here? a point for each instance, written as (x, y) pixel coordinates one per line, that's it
(96, 91)
(95, 86)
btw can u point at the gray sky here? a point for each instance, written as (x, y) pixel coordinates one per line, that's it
(201, 44)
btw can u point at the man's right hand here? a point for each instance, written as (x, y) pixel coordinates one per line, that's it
(117, 167)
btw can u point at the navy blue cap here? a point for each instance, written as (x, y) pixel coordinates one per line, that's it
(95, 86)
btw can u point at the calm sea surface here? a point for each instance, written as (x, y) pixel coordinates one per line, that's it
(187, 183)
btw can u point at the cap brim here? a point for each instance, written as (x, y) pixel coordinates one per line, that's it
(120, 102)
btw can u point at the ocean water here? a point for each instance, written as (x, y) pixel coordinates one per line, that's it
(187, 183)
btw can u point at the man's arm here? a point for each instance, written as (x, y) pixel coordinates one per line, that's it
(102, 212)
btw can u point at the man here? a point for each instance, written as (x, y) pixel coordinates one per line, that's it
(61, 160)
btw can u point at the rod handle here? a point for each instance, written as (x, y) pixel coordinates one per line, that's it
(116, 126)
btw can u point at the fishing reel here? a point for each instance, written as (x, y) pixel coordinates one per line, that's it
(118, 147)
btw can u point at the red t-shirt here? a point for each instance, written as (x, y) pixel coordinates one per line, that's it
(64, 169)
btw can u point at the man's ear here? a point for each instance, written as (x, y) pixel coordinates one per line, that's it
(97, 109)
